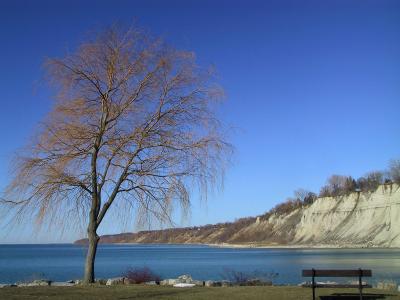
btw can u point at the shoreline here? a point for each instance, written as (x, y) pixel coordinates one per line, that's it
(258, 246)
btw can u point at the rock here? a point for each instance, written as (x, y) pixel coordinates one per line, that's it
(198, 282)
(387, 285)
(115, 281)
(208, 283)
(152, 283)
(62, 284)
(185, 278)
(6, 285)
(128, 281)
(34, 283)
(101, 281)
(217, 283)
(184, 285)
(226, 283)
(181, 279)
(169, 281)
(253, 282)
(41, 282)
(78, 281)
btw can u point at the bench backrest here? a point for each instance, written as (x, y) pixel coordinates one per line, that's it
(337, 273)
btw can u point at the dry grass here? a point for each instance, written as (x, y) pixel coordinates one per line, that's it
(157, 292)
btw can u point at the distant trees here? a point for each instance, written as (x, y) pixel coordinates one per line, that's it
(287, 206)
(394, 170)
(305, 196)
(336, 185)
(301, 198)
(310, 198)
(339, 185)
(370, 181)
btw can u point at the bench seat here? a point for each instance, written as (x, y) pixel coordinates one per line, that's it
(337, 273)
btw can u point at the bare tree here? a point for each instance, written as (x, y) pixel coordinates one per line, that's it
(133, 125)
(350, 185)
(301, 194)
(394, 170)
(336, 184)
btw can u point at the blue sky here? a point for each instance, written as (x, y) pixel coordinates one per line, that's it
(312, 86)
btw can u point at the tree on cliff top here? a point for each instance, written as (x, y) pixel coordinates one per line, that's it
(133, 128)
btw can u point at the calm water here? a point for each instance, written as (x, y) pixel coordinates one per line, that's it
(65, 262)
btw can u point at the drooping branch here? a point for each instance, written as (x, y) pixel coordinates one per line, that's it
(133, 123)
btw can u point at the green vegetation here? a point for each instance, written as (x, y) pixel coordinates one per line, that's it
(156, 292)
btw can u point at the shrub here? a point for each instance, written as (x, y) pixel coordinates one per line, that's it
(240, 277)
(325, 192)
(310, 198)
(141, 275)
(286, 207)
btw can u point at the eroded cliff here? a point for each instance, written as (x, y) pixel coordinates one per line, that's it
(355, 220)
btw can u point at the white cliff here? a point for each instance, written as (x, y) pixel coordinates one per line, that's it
(359, 219)
(356, 220)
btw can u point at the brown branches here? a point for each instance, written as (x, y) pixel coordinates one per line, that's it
(133, 123)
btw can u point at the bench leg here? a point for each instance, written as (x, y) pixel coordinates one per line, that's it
(313, 285)
(360, 286)
(313, 292)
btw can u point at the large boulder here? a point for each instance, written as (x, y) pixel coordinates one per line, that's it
(184, 285)
(198, 282)
(208, 283)
(55, 283)
(40, 282)
(387, 285)
(186, 278)
(115, 281)
(169, 281)
(101, 281)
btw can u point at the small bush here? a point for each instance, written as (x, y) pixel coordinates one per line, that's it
(310, 198)
(324, 192)
(287, 207)
(240, 277)
(141, 275)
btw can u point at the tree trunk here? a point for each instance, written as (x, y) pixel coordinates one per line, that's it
(91, 253)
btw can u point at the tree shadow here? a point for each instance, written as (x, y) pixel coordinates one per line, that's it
(351, 296)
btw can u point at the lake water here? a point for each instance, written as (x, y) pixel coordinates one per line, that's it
(65, 262)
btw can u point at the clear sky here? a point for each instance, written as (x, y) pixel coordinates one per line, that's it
(313, 86)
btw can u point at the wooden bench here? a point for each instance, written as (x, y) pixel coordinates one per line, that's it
(337, 273)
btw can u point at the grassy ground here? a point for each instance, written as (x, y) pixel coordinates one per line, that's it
(156, 292)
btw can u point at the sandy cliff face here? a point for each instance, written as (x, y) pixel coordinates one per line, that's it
(360, 219)
(356, 220)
